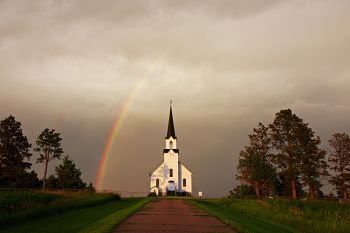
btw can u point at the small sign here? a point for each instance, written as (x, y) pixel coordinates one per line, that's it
(200, 194)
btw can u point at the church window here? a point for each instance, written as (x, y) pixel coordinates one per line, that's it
(171, 173)
(157, 182)
(171, 145)
(184, 182)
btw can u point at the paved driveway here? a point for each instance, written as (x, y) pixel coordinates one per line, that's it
(172, 215)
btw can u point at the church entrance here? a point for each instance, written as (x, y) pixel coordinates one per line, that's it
(171, 188)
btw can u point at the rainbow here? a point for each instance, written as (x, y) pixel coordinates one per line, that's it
(117, 125)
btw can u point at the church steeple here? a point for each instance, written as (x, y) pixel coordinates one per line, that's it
(171, 127)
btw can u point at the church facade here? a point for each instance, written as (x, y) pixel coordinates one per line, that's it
(171, 176)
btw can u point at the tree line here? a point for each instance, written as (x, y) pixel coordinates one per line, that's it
(285, 159)
(15, 165)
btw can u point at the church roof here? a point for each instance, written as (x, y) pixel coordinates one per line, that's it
(150, 174)
(185, 167)
(167, 150)
(171, 127)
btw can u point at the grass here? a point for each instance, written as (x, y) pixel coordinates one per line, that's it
(11, 202)
(100, 213)
(97, 219)
(24, 206)
(282, 216)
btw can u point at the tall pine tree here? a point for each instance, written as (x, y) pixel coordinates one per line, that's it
(49, 148)
(253, 166)
(297, 156)
(339, 160)
(14, 152)
(312, 162)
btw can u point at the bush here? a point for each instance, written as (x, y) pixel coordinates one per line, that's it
(184, 194)
(152, 194)
(242, 190)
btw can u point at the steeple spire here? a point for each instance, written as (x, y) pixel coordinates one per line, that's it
(171, 127)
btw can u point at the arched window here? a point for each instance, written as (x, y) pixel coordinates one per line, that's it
(171, 145)
(171, 173)
(157, 182)
(184, 183)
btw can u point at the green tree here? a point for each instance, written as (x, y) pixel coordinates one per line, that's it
(339, 160)
(297, 156)
(27, 180)
(90, 188)
(52, 182)
(312, 162)
(285, 188)
(68, 176)
(49, 148)
(14, 151)
(253, 166)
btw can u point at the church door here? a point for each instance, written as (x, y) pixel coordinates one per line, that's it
(171, 186)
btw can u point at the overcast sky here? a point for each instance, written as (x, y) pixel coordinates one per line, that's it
(227, 65)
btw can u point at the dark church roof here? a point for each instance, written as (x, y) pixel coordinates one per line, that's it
(167, 150)
(171, 127)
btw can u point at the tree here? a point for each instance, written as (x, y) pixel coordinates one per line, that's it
(90, 188)
(339, 160)
(297, 154)
(312, 162)
(68, 176)
(52, 182)
(285, 189)
(27, 180)
(14, 150)
(49, 147)
(254, 166)
(284, 133)
(312, 166)
(256, 171)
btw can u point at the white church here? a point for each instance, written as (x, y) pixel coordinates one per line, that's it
(171, 176)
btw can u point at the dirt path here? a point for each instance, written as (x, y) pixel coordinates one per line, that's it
(172, 215)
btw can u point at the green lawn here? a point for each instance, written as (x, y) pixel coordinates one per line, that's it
(97, 219)
(280, 216)
(24, 206)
